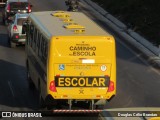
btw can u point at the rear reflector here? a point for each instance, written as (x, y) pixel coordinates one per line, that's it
(65, 96)
(98, 96)
(111, 86)
(52, 86)
(58, 75)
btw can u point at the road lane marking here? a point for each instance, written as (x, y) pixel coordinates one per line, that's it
(11, 88)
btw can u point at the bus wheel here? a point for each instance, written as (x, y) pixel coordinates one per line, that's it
(50, 102)
(30, 82)
(9, 39)
(40, 99)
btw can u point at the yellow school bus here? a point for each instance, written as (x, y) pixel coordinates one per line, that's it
(70, 58)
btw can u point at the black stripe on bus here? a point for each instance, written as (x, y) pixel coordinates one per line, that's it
(80, 81)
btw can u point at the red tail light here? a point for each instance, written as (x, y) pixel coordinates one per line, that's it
(52, 86)
(111, 86)
(29, 8)
(15, 29)
(8, 8)
(16, 36)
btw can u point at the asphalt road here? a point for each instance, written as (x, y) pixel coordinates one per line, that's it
(137, 82)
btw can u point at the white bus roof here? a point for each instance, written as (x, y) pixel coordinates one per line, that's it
(54, 26)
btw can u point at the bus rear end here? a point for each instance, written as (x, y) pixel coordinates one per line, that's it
(82, 68)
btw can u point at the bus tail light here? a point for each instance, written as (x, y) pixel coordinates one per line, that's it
(111, 86)
(52, 86)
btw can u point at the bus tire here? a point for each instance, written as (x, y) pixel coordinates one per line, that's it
(30, 82)
(40, 99)
(51, 103)
(29, 79)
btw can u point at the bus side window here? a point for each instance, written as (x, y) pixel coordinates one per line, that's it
(46, 50)
(42, 47)
(39, 46)
(43, 50)
(31, 35)
(38, 42)
(34, 39)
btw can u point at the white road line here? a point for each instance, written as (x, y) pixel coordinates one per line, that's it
(11, 88)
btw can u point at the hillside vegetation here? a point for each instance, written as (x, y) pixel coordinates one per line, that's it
(140, 15)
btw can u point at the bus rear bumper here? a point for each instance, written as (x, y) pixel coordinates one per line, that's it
(106, 96)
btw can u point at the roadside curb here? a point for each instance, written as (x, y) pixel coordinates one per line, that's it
(150, 52)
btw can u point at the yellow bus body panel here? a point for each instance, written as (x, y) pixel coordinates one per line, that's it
(85, 60)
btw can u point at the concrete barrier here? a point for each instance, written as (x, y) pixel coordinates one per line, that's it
(116, 21)
(96, 7)
(144, 42)
(129, 35)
